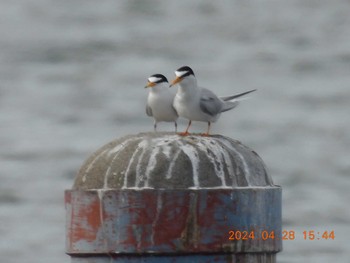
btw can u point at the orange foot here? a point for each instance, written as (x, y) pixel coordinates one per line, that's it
(205, 134)
(184, 133)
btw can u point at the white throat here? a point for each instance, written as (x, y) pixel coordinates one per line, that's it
(188, 84)
(160, 87)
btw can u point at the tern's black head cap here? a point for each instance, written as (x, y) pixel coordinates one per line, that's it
(186, 69)
(160, 78)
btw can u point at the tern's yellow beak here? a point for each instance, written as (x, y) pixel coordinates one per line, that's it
(175, 81)
(150, 84)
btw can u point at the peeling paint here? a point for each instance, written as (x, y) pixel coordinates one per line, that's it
(167, 221)
(157, 215)
(163, 194)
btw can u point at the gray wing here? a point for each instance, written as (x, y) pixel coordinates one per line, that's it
(210, 103)
(149, 110)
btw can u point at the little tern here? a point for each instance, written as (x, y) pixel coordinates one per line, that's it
(199, 104)
(160, 100)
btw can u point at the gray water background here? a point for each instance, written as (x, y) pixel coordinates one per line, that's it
(71, 79)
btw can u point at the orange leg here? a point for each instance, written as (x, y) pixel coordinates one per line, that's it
(207, 134)
(186, 132)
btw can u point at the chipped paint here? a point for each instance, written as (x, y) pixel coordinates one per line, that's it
(156, 218)
(168, 221)
(165, 195)
(196, 258)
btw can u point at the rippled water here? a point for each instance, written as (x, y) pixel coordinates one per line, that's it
(72, 75)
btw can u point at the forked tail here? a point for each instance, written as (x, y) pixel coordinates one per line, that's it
(228, 98)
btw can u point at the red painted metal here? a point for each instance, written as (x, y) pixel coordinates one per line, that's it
(171, 221)
(126, 205)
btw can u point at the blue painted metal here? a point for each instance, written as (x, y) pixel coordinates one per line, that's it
(128, 206)
(196, 258)
(162, 223)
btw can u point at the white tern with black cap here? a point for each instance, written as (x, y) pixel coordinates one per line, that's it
(160, 100)
(199, 104)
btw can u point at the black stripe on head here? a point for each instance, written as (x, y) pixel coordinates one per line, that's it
(161, 78)
(186, 69)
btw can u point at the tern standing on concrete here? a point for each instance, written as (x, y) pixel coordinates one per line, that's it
(199, 104)
(160, 101)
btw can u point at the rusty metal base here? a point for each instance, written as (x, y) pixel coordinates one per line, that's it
(138, 222)
(221, 258)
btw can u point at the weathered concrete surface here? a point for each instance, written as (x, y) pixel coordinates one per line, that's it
(160, 197)
(169, 161)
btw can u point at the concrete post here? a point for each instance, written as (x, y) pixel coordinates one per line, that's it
(159, 197)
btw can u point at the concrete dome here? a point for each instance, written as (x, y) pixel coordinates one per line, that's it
(169, 161)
